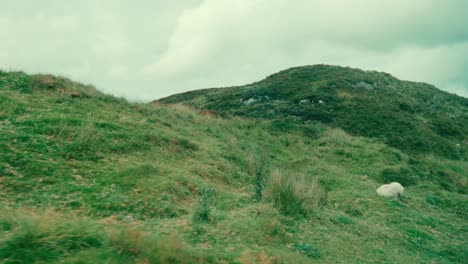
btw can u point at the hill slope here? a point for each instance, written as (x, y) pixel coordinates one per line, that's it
(86, 177)
(414, 117)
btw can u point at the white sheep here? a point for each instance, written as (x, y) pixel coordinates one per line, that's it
(391, 190)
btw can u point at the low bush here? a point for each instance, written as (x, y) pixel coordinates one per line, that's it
(402, 175)
(202, 212)
(295, 194)
(308, 250)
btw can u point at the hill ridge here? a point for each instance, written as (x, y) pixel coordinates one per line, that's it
(368, 103)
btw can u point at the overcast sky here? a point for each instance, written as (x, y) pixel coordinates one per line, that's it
(147, 49)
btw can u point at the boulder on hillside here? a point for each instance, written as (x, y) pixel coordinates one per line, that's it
(391, 190)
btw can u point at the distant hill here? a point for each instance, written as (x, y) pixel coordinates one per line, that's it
(414, 117)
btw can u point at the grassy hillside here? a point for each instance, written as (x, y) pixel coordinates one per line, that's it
(414, 117)
(89, 178)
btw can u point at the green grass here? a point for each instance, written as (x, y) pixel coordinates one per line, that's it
(86, 177)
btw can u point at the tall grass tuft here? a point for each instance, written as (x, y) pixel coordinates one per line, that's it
(258, 166)
(297, 194)
(202, 212)
(46, 237)
(131, 243)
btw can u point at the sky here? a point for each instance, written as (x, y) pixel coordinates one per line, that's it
(147, 49)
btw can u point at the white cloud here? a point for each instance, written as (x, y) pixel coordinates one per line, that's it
(156, 48)
(457, 88)
(64, 22)
(118, 71)
(224, 42)
(107, 42)
(198, 33)
(440, 65)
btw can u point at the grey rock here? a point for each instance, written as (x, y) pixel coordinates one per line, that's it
(364, 85)
(249, 101)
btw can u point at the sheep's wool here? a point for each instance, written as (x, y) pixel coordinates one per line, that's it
(391, 190)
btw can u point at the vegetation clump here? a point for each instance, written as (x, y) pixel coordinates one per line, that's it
(296, 194)
(202, 212)
(402, 175)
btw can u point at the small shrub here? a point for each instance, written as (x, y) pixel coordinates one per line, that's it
(202, 212)
(306, 249)
(403, 175)
(282, 126)
(452, 181)
(335, 137)
(434, 200)
(295, 194)
(85, 143)
(184, 144)
(353, 207)
(312, 131)
(258, 166)
(46, 82)
(342, 219)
